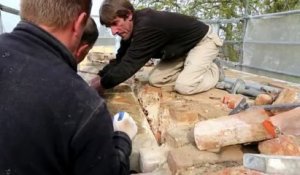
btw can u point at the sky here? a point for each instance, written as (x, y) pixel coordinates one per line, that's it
(9, 21)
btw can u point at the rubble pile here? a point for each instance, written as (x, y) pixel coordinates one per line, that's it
(195, 134)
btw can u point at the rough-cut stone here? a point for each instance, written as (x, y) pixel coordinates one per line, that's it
(231, 153)
(283, 145)
(243, 127)
(187, 158)
(183, 114)
(179, 136)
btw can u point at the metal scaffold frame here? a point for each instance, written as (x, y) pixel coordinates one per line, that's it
(217, 23)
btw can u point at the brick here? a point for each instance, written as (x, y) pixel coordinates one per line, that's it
(232, 100)
(283, 145)
(263, 99)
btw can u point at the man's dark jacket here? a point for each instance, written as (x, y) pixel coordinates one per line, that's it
(52, 122)
(156, 34)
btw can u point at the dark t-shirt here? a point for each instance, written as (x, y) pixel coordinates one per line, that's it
(156, 34)
(51, 121)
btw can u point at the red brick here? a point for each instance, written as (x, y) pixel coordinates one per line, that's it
(263, 99)
(232, 100)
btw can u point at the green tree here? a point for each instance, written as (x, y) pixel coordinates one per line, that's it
(222, 9)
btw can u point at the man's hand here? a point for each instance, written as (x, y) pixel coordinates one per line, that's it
(122, 121)
(96, 84)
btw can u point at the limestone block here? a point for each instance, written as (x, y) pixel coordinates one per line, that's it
(189, 159)
(243, 127)
(182, 114)
(283, 145)
(231, 153)
(179, 136)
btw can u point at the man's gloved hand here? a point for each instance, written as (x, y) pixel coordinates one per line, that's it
(122, 121)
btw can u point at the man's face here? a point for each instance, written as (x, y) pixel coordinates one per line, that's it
(122, 27)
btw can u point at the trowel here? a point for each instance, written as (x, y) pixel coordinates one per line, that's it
(272, 164)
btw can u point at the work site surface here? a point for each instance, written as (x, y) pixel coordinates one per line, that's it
(165, 143)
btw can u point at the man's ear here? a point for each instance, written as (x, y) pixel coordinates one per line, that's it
(80, 23)
(129, 15)
(81, 52)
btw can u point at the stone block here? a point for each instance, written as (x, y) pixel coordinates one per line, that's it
(188, 159)
(283, 145)
(231, 153)
(182, 114)
(179, 136)
(243, 127)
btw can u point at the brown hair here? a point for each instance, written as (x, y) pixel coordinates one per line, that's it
(110, 9)
(53, 13)
(90, 33)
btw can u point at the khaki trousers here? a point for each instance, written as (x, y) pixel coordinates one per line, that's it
(191, 74)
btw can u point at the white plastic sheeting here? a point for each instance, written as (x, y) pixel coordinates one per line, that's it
(8, 21)
(272, 43)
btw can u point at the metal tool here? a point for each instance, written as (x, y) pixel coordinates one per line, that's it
(239, 86)
(243, 105)
(272, 164)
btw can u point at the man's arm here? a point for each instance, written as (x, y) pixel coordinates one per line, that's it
(124, 45)
(146, 43)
